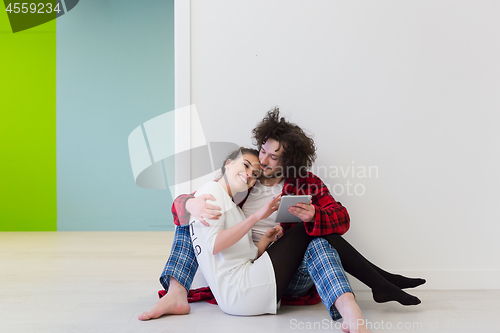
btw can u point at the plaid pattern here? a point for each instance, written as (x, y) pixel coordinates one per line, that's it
(181, 263)
(326, 271)
(321, 268)
(301, 282)
(330, 218)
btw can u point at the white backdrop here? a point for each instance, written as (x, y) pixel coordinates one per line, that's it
(408, 88)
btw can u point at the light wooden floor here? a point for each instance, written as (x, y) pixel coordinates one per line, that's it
(100, 281)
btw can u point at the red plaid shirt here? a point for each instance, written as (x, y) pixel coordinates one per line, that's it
(330, 217)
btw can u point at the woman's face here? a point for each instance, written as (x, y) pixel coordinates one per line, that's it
(242, 173)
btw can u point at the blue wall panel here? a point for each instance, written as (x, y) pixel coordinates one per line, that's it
(115, 70)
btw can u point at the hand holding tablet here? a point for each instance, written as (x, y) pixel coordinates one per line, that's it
(284, 215)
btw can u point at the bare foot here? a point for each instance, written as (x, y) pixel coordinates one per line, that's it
(174, 302)
(352, 318)
(354, 324)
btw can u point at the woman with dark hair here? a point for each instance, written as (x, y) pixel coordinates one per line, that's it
(245, 278)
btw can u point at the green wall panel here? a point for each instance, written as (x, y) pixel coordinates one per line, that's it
(28, 198)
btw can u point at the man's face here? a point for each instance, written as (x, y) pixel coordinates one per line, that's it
(270, 158)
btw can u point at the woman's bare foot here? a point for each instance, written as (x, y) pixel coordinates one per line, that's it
(174, 302)
(352, 318)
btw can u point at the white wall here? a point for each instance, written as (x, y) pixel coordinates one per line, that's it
(409, 87)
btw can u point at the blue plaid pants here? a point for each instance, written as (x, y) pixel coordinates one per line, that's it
(321, 267)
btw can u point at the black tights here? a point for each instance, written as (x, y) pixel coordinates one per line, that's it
(287, 255)
(385, 286)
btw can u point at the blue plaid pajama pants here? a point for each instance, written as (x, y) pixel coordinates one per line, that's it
(321, 267)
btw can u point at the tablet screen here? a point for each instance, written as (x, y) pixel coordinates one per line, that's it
(284, 216)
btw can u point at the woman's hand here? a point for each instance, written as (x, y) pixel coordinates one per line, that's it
(273, 234)
(268, 208)
(201, 210)
(270, 236)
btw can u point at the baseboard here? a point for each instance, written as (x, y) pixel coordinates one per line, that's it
(448, 279)
(436, 280)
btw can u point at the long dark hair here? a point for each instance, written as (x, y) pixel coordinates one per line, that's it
(233, 155)
(299, 149)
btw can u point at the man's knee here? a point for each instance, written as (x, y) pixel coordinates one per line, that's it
(321, 245)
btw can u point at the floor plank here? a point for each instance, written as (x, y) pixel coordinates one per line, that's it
(101, 281)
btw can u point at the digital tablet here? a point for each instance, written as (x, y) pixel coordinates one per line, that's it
(284, 216)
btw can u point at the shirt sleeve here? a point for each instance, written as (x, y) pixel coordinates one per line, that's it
(330, 217)
(179, 211)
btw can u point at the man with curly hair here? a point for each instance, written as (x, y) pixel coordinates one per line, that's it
(286, 153)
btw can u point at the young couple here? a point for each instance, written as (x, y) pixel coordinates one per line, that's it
(231, 242)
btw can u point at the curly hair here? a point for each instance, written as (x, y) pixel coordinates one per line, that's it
(299, 149)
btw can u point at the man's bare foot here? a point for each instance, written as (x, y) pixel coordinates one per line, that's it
(174, 302)
(354, 323)
(352, 318)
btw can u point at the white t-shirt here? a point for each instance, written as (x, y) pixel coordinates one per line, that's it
(258, 197)
(241, 285)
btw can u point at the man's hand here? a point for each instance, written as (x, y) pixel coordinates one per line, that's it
(303, 211)
(201, 210)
